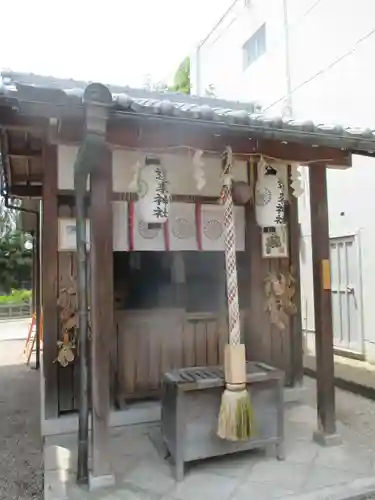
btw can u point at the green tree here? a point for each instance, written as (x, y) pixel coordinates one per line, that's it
(181, 81)
(15, 260)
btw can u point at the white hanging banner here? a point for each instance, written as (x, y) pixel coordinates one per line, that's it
(146, 237)
(212, 227)
(153, 197)
(182, 227)
(199, 174)
(120, 226)
(296, 180)
(269, 197)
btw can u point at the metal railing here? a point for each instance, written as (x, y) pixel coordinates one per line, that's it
(12, 311)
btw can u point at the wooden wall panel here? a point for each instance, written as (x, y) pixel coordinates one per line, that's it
(264, 341)
(154, 341)
(258, 334)
(67, 275)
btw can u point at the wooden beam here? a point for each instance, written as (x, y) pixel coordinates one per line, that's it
(326, 432)
(11, 119)
(303, 154)
(25, 154)
(102, 316)
(50, 280)
(141, 134)
(23, 191)
(66, 197)
(296, 337)
(33, 179)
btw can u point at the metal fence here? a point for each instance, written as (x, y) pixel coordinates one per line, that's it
(11, 311)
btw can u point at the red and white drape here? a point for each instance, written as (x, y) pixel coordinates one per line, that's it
(189, 227)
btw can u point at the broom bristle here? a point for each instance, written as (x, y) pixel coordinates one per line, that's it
(236, 416)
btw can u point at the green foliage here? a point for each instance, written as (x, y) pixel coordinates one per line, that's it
(15, 260)
(182, 78)
(16, 297)
(8, 218)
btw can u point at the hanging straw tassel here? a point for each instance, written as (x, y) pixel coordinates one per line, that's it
(236, 415)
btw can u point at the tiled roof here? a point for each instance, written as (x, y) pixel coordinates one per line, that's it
(20, 89)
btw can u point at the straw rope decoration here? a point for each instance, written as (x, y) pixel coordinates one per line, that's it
(230, 252)
(235, 418)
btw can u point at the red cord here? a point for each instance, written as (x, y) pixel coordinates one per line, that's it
(167, 242)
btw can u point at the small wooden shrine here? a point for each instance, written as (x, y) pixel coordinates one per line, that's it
(155, 273)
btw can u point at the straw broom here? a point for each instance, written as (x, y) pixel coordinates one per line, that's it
(235, 417)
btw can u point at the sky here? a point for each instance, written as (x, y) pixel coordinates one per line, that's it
(116, 41)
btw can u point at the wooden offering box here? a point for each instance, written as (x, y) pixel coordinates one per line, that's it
(190, 407)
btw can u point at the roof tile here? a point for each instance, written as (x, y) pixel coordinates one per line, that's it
(19, 87)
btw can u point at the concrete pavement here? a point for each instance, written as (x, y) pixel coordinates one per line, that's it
(14, 329)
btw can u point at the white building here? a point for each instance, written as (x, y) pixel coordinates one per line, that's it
(311, 59)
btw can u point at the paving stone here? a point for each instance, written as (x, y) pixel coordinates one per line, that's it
(59, 457)
(342, 457)
(76, 492)
(137, 445)
(151, 476)
(132, 493)
(68, 441)
(55, 485)
(205, 486)
(321, 477)
(301, 451)
(259, 491)
(237, 466)
(287, 475)
(122, 465)
(303, 414)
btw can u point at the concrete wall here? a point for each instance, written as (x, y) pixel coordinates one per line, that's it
(331, 47)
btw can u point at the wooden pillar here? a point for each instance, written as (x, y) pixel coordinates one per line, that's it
(326, 432)
(102, 315)
(50, 280)
(296, 337)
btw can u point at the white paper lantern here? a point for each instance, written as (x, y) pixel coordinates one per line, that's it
(269, 200)
(153, 196)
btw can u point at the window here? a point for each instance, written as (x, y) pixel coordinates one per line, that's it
(254, 47)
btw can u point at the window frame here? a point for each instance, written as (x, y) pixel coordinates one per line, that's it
(255, 46)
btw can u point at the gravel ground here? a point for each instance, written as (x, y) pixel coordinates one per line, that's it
(21, 458)
(354, 411)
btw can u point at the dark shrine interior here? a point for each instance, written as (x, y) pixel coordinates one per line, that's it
(190, 280)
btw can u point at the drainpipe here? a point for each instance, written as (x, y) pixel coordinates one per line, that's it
(97, 100)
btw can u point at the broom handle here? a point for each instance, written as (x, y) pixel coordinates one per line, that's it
(230, 263)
